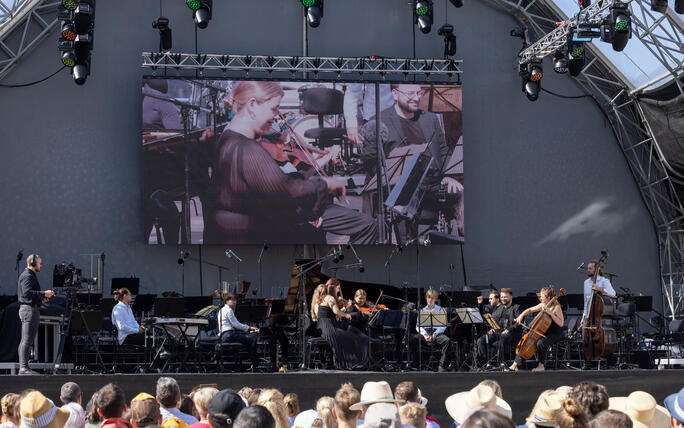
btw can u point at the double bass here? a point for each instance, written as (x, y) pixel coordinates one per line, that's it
(598, 336)
(535, 331)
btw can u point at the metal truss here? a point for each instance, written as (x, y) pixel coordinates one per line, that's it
(363, 67)
(22, 27)
(617, 98)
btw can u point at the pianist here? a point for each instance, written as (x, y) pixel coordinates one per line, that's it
(233, 331)
(128, 329)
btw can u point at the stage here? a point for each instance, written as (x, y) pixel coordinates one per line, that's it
(520, 389)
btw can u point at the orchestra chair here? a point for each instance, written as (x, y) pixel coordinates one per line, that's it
(319, 353)
(322, 102)
(127, 358)
(230, 356)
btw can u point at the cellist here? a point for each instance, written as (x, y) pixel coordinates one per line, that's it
(602, 285)
(552, 335)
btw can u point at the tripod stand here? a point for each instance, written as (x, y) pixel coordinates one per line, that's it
(473, 317)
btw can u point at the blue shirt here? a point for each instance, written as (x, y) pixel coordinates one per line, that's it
(603, 283)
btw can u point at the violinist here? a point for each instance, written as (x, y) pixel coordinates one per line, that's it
(360, 310)
(552, 335)
(602, 286)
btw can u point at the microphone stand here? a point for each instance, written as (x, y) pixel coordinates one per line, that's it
(20, 255)
(261, 281)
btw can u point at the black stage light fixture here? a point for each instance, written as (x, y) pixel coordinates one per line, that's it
(165, 34)
(68, 58)
(457, 3)
(584, 3)
(530, 76)
(201, 11)
(576, 58)
(81, 71)
(560, 62)
(313, 10)
(447, 31)
(84, 17)
(620, 25)
(423, 15)
(70, 5)
(660, 6)
(679, 7)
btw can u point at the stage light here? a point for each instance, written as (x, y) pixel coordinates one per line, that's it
(620, 26)
(165, 33)
(447, 31)
(584, 3)
(69, 5)
(659, 6)
(535, 70)
(576, 57)
(84, 17)
(530, 77)
(193, 4)
(68, 59)
(203, 13)
(423, 15)
(313, 10)
(362, 269)
(560, 62)
(81, 71)
(68, 31)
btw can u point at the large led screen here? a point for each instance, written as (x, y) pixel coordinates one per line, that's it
(254, 161)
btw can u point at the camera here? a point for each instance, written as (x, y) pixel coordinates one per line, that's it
(68, 276)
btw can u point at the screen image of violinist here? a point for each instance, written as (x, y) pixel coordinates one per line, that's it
(248, 162)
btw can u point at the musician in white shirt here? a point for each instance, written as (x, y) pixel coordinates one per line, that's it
(129, 331)
(602, 285)
(432, 335)
(233, 331)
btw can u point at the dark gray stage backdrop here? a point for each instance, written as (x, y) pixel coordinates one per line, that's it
(547, 186)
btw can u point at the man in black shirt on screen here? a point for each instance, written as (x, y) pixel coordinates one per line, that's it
(30, 298)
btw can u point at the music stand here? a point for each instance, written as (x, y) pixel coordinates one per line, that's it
(194, 304)
(143, 303)
(473, 317)
(492, 322)
(132, 283)
(171, 307)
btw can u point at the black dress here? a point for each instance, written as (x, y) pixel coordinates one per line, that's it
(349, 346)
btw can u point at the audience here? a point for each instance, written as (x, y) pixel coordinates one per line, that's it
(307, 419)
(674, 404)
(224, 408)
(201, 398)
(324, 407)
(255, 417)
(413, 414)
(36, 410)
(93, 418)
(272, 399)
(591, 397)
(187, 406)
(345, 398)
(169, 397)
(611, 418)
(292, 403)
(381, 415)
(642, 408)
(10, 416)
(487, 418)
(461, 404)
(111, 405)
(144, 411)
(250, 395)
(571, 415)
(494, 385)
(70, 396)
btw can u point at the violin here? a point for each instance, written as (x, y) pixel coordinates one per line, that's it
(535, 331)
(598, 340)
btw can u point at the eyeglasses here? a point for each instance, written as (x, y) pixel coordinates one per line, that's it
(414, 94)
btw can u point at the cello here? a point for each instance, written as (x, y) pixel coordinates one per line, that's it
(535, 331)
(599, 338)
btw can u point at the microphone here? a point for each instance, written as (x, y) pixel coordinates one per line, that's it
(580, 266)
(20, 255)
(362, 268)
(231, 254)
(604, 252)
(183, 255)
(427, 242)
(261, 254)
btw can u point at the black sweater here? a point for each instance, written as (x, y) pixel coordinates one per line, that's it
(28, 288)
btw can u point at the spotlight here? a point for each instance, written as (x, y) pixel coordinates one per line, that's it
(69, 5)
(661, 6)
(560, 62)
(84, 17)
(447, 30)
(457, 3)
(535, 70)
(422, 13)
(81, 72)
(165, 35)
(313, 10)
(68, 31)
(193, 4)
(68, 59)
(620, 26)
(530, 77)
(576, 58)
(202, 14)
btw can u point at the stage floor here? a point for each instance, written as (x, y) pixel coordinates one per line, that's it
(520, 389)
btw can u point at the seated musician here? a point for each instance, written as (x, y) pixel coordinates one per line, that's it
(429, 335)
(359, 317)
(511, 330)
(253, 200)
(552, 335)
(486, 342)
(129, 332)
(233, 331)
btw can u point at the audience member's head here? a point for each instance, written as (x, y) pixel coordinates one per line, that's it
(374, 392)
(174, 422)
(187, 406)
(224, 408)
(272, 399)
(324, 407)
(381, 415)
(611, 418)
(461, 404)
(493, 384)
(592, 397)
(546, 408)
(674, 404)
(407, 392)
(144, 411)
(168, 392)
(642, 409)
(413, 414)
(255, 417)
(292, 403)
(111, 401)
(487, 418)
(70, 393)
(202, 397)
(9, 411)
(307, 419)
(571, 415)
(251, 395)
(345, 398)
(38, 411)
(92, 416)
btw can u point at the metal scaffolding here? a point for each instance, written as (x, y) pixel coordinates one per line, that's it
(23, 25)
(618, 98)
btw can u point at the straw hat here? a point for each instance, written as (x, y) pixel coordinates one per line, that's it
(39, 412)
(462, 403)
(642, 409)
(545, 412)
(374, 392)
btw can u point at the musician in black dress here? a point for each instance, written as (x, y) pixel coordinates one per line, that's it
(552, 335)
(253, 200)
(349, 346)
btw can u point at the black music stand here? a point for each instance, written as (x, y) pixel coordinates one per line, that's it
(83, 323)
(171, 307)
(143, 303)
(194, 304)
(473, 317)
(132, 283)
